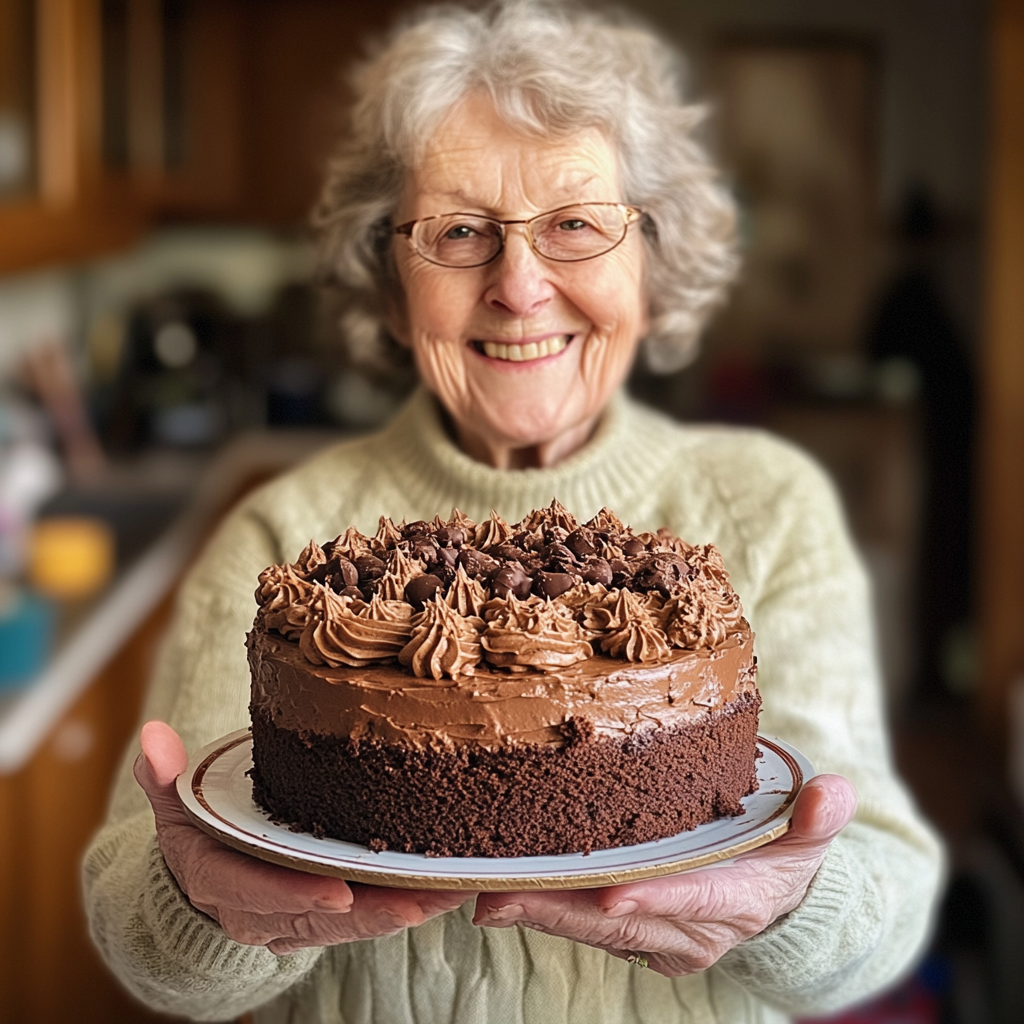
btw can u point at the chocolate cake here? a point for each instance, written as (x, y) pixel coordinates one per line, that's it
(463, 689)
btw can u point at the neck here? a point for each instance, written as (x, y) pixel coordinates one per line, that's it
(504, 455)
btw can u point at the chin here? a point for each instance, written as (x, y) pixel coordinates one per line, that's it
(530, 425)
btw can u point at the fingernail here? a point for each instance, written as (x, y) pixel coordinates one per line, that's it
(622, 909)
(510, 912)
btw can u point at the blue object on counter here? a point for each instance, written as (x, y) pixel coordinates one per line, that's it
(26, 633)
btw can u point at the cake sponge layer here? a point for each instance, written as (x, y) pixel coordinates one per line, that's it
(597, 792)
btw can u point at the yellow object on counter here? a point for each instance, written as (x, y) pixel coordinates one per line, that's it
(71, 557)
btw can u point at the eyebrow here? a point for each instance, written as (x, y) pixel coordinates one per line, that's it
(461, 196)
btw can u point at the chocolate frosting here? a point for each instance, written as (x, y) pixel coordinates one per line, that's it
(662, 595)
(493, 708)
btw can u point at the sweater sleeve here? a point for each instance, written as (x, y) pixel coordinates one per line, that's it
(170, 955)
(868, 910)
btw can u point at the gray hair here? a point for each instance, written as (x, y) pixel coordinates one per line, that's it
(550, 69)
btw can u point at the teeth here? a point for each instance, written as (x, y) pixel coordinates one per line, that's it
(528, 352)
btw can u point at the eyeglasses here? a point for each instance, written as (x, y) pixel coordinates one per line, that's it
(570, 233)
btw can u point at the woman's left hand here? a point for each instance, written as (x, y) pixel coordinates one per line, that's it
(684, 923)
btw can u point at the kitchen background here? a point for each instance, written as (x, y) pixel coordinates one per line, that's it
(164, 347)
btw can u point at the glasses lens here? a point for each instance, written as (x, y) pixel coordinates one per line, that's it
(457, 240)
(579, 232)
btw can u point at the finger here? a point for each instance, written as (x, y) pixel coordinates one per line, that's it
(232, 881)
(577, 916)
(573, 913)
(377, 912)
(414, 905)
(162, 760)
(298, 930)
(823, 808)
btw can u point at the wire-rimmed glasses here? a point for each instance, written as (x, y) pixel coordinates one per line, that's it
(570, 233)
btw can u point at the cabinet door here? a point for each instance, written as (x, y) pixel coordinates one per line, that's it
(55, 203)
(17, 101)
(49, 970)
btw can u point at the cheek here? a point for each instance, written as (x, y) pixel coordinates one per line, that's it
(618, 311)
(438, 302)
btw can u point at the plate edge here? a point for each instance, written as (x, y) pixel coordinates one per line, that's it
(189, 791)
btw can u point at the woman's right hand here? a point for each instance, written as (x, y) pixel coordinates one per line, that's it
(261, 904)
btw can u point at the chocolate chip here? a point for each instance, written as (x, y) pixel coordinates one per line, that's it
(664, 573)
(422, 546)
(551, 584)
(476, 563)
(419, 528)
(511, 579)
(450, 537)
(445, 573)
(421, 589)
(527, 541)
(349, 591)
(633, 546)
(447, 557)
(597, 570)
(507, 552)
(370, 568)
(532, 564)
(340, 573)
(557, 552)
(581, 542)
(622, 574)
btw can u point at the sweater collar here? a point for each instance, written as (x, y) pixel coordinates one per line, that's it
(605, 470)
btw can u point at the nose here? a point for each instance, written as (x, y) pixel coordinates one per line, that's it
(519, 284)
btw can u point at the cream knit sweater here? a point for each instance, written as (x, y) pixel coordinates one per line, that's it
(777, 522)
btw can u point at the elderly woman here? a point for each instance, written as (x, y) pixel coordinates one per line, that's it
(520, 203)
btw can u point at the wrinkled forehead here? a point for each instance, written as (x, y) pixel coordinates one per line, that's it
(477, 158)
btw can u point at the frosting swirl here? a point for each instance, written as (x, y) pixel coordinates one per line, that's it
(351, 544)
(399, 569)
(533, 633)
(636, 637)
(310, 560)
(492, 533)
(443, 643)
(388, 535)
(285, 599)
(466, 595)
(341, 631)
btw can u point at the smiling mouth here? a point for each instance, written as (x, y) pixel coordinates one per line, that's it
(524, 353)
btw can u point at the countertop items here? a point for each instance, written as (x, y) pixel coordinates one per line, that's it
(27, 716)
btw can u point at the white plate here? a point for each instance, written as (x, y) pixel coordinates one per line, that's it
(218, 797)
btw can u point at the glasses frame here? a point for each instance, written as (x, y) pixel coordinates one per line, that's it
(630, 215)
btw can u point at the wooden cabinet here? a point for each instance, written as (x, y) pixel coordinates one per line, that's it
(143, 112)
(126, 110)
(49, 970)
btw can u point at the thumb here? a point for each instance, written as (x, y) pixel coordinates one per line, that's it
(162, 760)
(824, 807)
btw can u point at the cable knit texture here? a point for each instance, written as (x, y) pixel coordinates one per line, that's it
(777, 522)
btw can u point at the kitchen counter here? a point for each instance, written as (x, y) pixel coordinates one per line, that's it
(28, 715)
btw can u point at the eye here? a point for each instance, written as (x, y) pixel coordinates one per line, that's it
(573, 224)
(459, 232)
